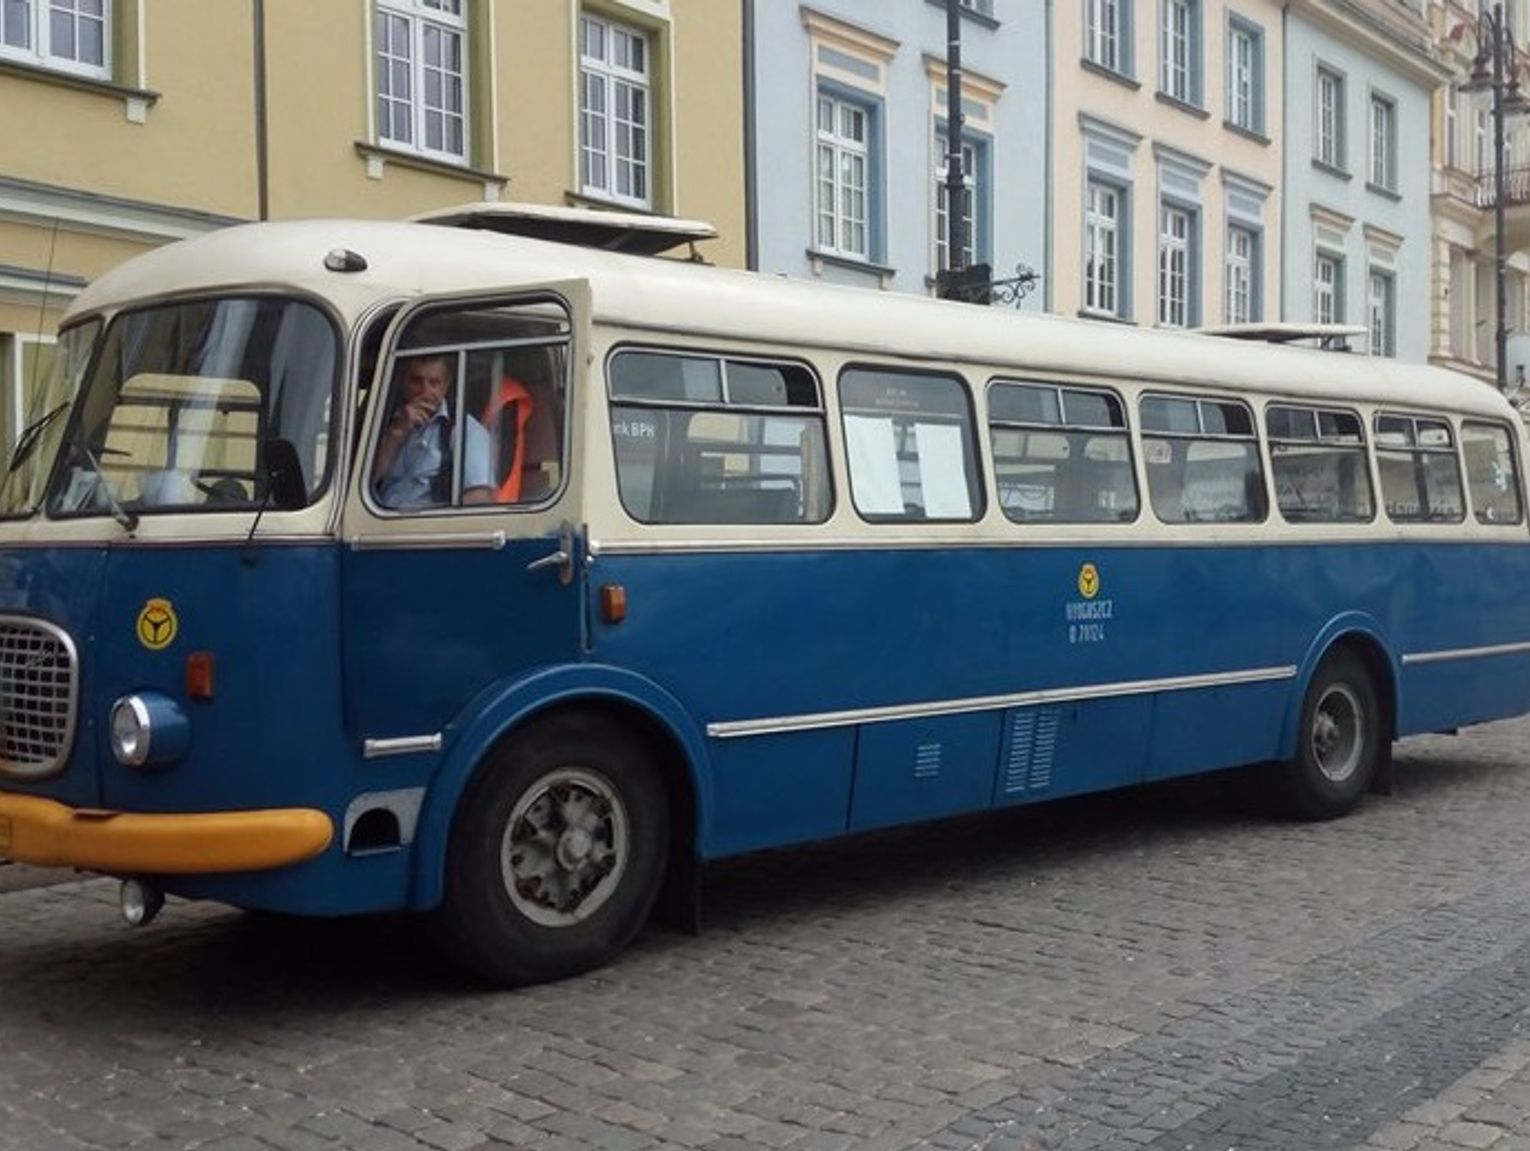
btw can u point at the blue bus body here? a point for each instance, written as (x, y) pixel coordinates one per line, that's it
(785, 685)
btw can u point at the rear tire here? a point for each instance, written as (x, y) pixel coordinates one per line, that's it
(1338, 745)
(557, 852)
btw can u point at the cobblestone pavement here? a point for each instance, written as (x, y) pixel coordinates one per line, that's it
(1145, 970)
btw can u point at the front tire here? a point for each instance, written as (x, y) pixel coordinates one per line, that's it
(557, 852)
(1339, 744)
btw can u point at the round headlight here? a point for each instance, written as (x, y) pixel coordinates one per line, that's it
(131, 731)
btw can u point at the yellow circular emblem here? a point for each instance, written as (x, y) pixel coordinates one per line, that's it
(157, 625)
(1088, 581)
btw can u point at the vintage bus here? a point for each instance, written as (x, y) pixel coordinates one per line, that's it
(355, 566)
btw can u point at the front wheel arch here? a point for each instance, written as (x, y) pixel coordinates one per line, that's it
(557, 850)
(650, 713)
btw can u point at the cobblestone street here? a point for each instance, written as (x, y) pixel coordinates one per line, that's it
(1147, 970)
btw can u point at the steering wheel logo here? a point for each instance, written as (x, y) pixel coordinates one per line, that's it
(157, 624)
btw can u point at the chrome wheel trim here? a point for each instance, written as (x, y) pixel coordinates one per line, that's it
(1337, 739)
(565, 847)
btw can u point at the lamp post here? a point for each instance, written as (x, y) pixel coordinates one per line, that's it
(1495, 69)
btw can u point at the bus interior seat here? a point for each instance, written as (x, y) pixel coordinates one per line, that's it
(739, 505)
(520, 417)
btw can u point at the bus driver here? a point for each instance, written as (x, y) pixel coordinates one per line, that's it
(413, 467)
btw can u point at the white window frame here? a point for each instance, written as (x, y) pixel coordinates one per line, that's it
(1241, 268)
(432, 28)
(1103, 218)
(1102, 33)
(1383, 134)
(616, 153)
(30, 39)
(1328, 288)
(1328, 108)
(842, 176)
(1381, 311)
(1177, 51)
(1452, 127)
(969, 206)
(1176, 243)
(1245, 84)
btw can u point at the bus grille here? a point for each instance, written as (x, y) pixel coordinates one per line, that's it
(38, 685)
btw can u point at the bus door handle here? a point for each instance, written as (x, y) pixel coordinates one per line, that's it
(562, 559)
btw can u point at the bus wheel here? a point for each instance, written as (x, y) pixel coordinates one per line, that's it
(1339, 743)
(557, 852)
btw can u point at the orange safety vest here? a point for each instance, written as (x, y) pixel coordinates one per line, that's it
(507, 432)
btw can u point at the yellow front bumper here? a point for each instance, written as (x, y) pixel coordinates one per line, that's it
(49, 834)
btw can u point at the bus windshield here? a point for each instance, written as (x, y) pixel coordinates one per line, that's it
(22, 482)
(182, 398)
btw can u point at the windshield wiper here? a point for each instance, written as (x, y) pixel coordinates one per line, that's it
(127, 519)
(27, 442)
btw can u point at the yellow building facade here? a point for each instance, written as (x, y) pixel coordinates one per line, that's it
(126, 124)
(1167, 128)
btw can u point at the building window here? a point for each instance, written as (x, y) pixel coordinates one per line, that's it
(1329, 140)
(1103, 273)
(970, 196)
(1452, 132)
(1176, 243)
(1242, 275)
(1179, 49)
(1105, 34)
(1383, 143)
(1328, 289)
(66, 35)
(1482, 150)
(844, 165)
(1245, 76)
(1382, 314)
(615, 118)
(422, 76)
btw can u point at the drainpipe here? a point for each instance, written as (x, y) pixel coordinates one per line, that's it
(1285, 124)
(1048, 173)
(751, 203)
(262, 172)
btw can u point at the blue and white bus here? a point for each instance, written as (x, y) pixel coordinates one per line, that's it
(354, 566)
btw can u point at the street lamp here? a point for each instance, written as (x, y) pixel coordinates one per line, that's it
(1495, 69)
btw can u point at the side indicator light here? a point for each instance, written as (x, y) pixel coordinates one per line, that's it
(199, 675)
(613, 602)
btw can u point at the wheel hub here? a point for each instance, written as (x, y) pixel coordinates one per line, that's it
(565, 847)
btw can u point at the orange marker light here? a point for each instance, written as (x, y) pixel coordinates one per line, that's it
(199, 675)
(613, 602)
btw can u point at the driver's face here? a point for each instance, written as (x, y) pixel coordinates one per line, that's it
(425, 380)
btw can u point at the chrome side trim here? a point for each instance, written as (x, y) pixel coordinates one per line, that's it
(489, 541)
(1465, 653)
(735, 729)
(401, 745)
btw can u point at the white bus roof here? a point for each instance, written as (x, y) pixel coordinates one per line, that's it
(405, 260)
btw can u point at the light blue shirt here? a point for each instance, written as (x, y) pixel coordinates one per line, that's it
(411, 477)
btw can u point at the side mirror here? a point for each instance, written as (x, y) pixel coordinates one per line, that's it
(284, 475)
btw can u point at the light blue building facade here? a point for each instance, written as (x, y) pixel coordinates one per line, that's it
(846, 102)
(1358, 87)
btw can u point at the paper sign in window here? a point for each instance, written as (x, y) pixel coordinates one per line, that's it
(943, 472)
(874, 465)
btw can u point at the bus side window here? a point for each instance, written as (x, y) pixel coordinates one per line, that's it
(910, 444)
(1061, 455)
(1420, 473)
(1319, 463)
(707, 439)
(1203, 460)
(1491, 473)
(474, 410)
